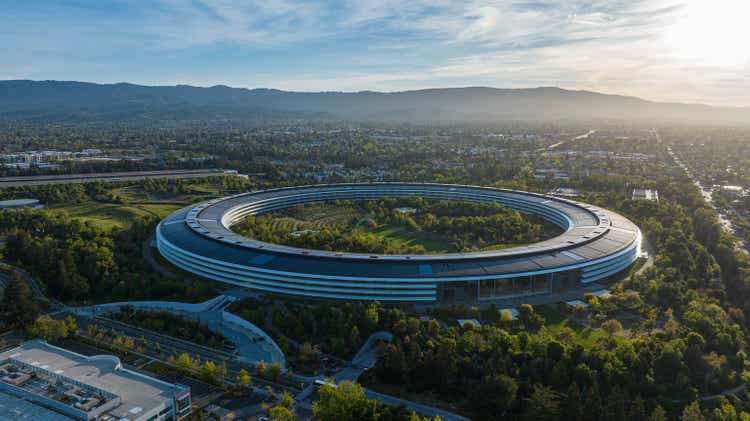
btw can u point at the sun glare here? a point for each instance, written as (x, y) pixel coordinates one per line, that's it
(711, 32)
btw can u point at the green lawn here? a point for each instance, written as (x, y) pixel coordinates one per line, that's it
(556, 321)
(130, 193)
(137, 203)
(348, 219)
(136, 195)
(321, 215)
(105, 215)
(433, 243)
(161, 210)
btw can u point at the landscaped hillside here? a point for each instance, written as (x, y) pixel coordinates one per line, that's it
(78, 101)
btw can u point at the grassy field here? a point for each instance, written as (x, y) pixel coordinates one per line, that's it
(105, 215)
(433, 243)
(136, 195)
(321, 215)
(136, 203)
(161, 210)
(555, 321)
(347, 218)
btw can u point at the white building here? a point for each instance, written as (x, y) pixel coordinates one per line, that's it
(58, 384)
(645, 194)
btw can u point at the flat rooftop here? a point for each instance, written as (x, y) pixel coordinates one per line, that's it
(645, 194)
(594, 233)
(14, 409)
(138, 392)
(18, 202)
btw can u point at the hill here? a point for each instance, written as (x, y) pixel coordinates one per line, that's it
(71, 101)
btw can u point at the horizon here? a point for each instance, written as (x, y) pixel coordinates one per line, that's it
(729, 107)
(648, 49)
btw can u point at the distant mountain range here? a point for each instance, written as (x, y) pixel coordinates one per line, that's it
(80, 101)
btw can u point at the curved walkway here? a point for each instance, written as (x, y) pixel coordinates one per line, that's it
(252, 344)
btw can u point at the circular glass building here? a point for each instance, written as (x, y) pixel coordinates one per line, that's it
(596, 244)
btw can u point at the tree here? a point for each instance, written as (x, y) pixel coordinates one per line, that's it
(71, 324)
(500, 389)
(184, 361)
(274, 370)
(433, 327)
(222, 371)
(209, 371)
(372, 316)
(18, 307)
(571, 407)
(344, 402)
(48, 328)
(281, 413)
(287, 401)
(542, 404)
(725, 411)
(243, 379)
(692, 412)
(614, 408)
(658, 414)
(261, 369)
(593, 403)
(531, 320)
(637, 409)
(611, 326)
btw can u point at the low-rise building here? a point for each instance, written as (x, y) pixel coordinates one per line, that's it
(555, 174)
(732, 192)
(19, 203)
(645, 194)
(60, 384)
(566, 192)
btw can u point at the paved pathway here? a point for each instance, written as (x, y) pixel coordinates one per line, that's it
(648, 248)
(430, 411)
(732, 391)
(365, 359)
(252, 344)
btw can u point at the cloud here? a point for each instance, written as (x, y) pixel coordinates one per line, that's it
(485, 21)
(614, 46)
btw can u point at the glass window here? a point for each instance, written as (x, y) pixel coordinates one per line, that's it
(504, 286)
(522, 284)
(540, 282)
(486, 287)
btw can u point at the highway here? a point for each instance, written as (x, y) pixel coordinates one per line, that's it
(707, 196)
(583, 136)
(111, 176)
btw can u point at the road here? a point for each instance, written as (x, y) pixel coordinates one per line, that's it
(30, 281)
(424, 410)
(583, 136)
(707, 196)
(112, 176)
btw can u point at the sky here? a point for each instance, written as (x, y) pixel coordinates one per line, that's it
(663, 50)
